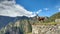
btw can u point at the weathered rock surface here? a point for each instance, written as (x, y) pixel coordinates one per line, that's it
(45, 29)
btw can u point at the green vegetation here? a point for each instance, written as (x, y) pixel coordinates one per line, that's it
(25, 26)
(50, 23)
(21, 27)
(55, 16)
(30, 33)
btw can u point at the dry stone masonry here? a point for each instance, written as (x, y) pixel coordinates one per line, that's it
(46, 29)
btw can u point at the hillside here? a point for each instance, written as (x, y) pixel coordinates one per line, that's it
(19, 27)
(23, 25)
(4, 20)
(55, 16)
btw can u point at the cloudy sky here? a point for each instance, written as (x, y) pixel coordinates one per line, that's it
(29, 8)
(44, 7)
(11, 9)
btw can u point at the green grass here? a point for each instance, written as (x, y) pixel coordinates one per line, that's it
(30, 33)
(44, 23)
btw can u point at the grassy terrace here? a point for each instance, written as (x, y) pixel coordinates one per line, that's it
(48, 23)
(30, 33)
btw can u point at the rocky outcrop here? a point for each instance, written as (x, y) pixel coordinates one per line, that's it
(46, 29)
(19, 27)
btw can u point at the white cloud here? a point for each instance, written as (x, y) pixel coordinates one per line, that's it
(59, 9)
(11, 9)
(38, 11)
(46, 9)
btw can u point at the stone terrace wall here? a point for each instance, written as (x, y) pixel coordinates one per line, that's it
(46, 29)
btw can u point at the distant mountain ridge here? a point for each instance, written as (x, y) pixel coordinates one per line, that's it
(4, 20)
(19, 25)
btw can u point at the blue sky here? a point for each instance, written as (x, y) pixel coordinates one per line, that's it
(47, 7)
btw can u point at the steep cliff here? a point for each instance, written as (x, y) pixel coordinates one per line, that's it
(19, 27)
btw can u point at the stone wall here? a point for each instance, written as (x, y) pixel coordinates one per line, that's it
(57, 20)
(46, 29)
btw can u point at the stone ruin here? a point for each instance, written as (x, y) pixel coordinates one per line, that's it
(45, 29)
(57, 20)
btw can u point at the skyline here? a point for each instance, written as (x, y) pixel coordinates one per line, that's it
(44, 7)
(29, 8)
